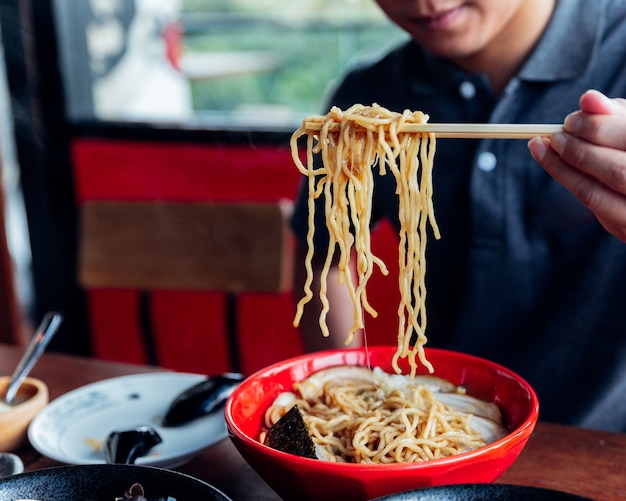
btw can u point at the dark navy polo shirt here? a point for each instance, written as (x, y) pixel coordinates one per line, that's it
(523, 274)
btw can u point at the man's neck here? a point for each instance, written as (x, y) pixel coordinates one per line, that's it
(506, 54)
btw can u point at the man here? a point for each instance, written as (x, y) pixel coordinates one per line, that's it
(526, 273)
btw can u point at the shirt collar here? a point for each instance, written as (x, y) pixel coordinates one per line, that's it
(569, 43)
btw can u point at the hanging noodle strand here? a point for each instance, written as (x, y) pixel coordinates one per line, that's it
(350, 144)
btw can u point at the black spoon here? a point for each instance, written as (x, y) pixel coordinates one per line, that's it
(201, 399)
(124, 447)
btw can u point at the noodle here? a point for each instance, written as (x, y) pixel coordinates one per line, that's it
(361, 421)
(350, 143)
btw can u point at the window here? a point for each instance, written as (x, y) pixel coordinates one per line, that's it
(224, 63)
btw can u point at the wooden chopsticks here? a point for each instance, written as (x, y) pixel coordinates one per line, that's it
(467, 130)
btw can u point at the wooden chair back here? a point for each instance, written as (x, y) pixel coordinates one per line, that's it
(229, 247)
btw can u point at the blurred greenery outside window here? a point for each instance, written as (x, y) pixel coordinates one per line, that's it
(306, 46)
(225, 63)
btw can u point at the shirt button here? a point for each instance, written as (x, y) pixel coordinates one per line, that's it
(487, 161)
(467, 90)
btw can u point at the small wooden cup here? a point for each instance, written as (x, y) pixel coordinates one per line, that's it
(31, 397)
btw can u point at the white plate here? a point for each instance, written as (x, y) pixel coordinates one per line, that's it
(72, 428)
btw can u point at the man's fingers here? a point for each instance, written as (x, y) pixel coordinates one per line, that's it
(607, 204)
(601, 130)
(604, 163)
(594, 102)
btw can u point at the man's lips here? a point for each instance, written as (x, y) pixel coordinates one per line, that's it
(439, 21)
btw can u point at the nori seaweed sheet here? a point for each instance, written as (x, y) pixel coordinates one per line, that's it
(290, 434)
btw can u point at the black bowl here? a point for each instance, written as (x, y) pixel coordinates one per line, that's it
(482, 492)
(104, 482)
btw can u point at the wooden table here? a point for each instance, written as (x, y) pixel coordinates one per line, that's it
(585, 462)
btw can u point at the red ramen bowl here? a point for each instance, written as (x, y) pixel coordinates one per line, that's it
(294, 477)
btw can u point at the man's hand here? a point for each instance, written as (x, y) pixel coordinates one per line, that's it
(589, 158)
